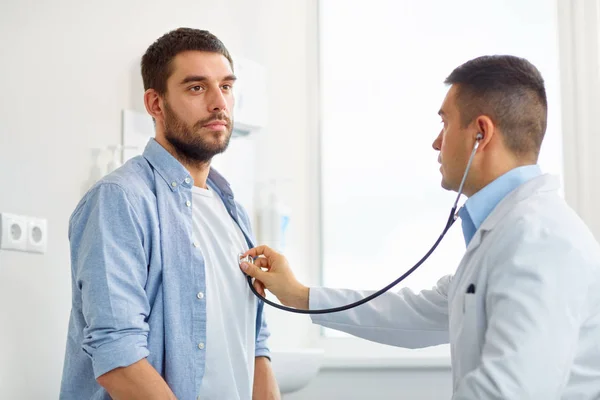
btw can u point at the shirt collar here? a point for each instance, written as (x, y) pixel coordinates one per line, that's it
(175, 174)
(479, 206)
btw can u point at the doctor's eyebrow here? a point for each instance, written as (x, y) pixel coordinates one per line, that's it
(200, 78)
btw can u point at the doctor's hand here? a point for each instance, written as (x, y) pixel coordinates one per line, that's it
(273, 272)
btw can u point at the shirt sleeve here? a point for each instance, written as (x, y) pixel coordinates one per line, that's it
(403, 319)
(110, 271)
(262, 347)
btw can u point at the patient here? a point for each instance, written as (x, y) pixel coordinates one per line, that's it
(160, 309)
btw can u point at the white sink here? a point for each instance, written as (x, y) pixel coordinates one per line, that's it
(295, 368)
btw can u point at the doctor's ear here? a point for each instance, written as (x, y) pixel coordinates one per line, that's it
(485, 129)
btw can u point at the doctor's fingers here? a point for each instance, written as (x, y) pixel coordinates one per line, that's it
(260, 288)
(262, 250)
(263, 263)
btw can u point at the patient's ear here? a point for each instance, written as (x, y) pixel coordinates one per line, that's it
(153, 103)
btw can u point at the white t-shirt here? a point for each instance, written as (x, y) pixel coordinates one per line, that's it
(230, 305)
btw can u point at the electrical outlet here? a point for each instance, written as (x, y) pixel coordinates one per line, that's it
(13, 232)
(18, 232)
(37, 235)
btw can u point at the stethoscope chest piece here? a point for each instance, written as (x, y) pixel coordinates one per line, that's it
(242, 259)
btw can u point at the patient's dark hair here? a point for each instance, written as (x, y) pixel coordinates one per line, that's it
(509, 90)
(157, 62)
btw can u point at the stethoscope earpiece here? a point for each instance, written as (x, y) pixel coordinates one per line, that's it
(479, 136)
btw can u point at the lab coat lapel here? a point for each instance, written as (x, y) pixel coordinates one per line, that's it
(539, 184)
(542, 183)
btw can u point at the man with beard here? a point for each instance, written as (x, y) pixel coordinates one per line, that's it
(160, 309)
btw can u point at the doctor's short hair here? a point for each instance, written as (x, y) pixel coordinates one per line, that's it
(508, 89)
(157, 61)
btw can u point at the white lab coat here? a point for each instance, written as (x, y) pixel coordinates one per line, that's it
(531, 330)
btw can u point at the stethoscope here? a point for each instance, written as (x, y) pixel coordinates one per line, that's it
(453, 216)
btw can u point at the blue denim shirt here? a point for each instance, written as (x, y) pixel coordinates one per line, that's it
(479, 206)
(135, 277)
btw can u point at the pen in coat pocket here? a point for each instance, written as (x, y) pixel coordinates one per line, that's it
(470, 290)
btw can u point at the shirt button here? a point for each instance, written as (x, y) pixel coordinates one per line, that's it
(201, 346)
(174, 184)
(196, 244)
(187, 180)
(200, 295)
(188, 203)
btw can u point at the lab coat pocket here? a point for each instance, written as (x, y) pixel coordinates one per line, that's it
(469, 341)
(470, 317)
(469, 305)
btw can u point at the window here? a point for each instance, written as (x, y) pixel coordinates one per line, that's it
(382, 67)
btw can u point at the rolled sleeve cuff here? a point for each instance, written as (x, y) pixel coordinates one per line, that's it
(262, 351)
(120, 353)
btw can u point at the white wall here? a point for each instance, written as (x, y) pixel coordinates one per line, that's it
(67, 70)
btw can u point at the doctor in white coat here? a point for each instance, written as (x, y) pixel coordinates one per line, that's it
(522, 310)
